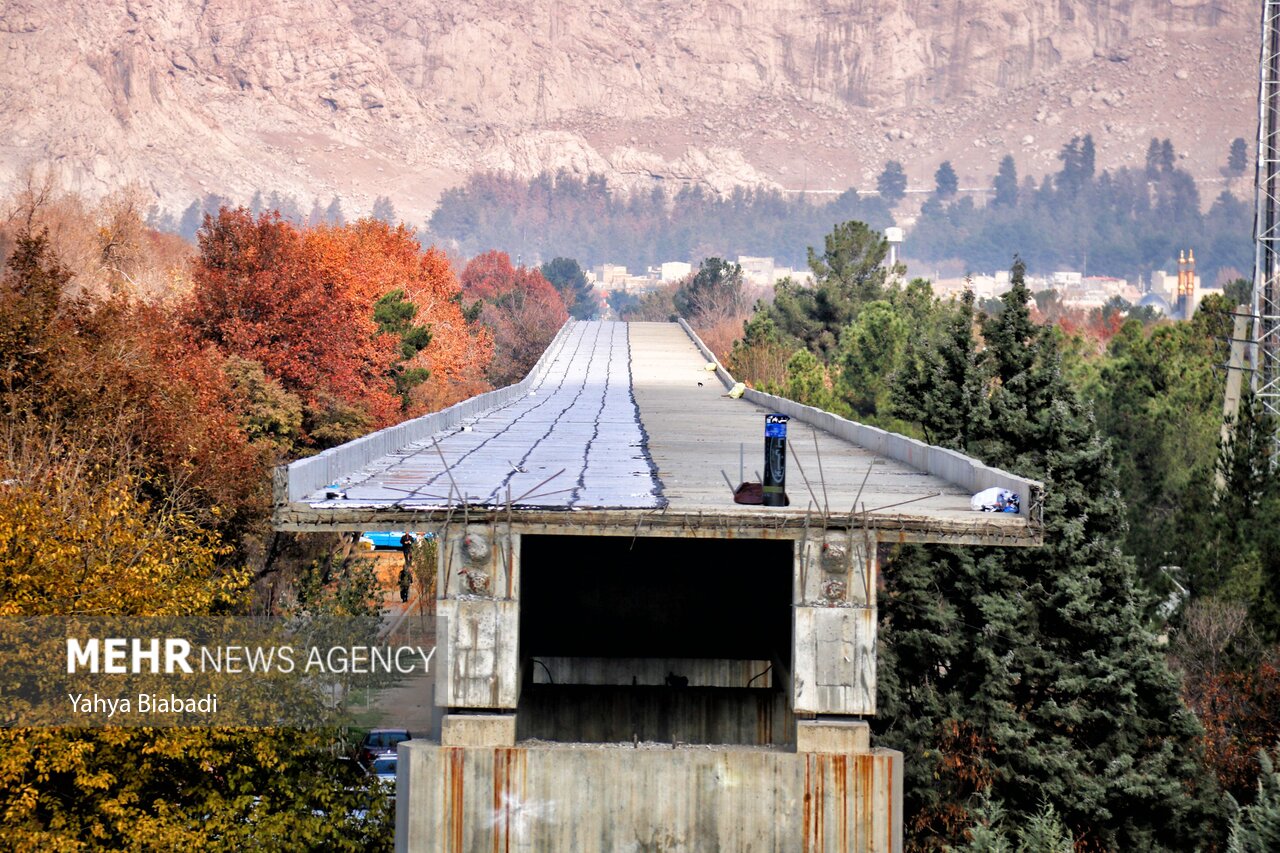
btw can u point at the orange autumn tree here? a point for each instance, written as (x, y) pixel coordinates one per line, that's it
(382, 264)
(262, 291)
(521, 308)
(114, 378)
(305, 305)
(124, 480)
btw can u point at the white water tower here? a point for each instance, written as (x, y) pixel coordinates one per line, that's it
(894, 236)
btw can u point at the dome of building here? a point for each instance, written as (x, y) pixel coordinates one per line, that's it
(1156, 301)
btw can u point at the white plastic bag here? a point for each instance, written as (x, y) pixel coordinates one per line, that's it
(994, 499)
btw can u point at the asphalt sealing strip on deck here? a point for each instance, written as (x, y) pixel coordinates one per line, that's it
(575, 441)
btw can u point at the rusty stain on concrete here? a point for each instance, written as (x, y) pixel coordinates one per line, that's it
(456, 773)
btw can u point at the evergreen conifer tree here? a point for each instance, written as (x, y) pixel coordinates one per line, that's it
(1233, 552)
(394, 314)
(1028, 671)
(1153, 158)
(869, 352)
(192, 219)
(1256, 827)
(1005, 184)
(892, 182)
(807, 381)
(567, 277)
(987, 834)
(333, 213)
(384, 210)
(1237, 156)
(1088, 157)
(288, 208)
(1042, 832)
(943, 386)
(1045, 833)
(945, 180)
(849, 273)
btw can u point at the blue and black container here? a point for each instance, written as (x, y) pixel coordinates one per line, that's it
(775, 460)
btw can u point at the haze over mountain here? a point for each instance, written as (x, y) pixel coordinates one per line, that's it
(363, 98)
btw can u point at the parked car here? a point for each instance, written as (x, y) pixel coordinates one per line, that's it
(383, 773)
(384, 768)
(388, 540)
(381, 743)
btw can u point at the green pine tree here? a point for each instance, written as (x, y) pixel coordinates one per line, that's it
(946, 183)
(990, 832)
(892, 182)
(870, 348)
(714, 291)
(384, 210)
(1237, 156)
(394, 315)
(1028, 670)
(807, 381)
(1005, 184)
(1045, 833)
(1232, 551)
(1153, 158)
(848, 274)
(943, 383)
(579, 296)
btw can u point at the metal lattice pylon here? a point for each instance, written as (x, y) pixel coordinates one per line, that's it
(1265, 349)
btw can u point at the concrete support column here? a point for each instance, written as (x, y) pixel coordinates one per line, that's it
(834, 625)
(842, 736)
(478, 624)
(478, 730)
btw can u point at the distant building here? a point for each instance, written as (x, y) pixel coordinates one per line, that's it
(636, 283)
(610, 277)
(673, 271)
(758, 271)
(607, 274)
(1074, 289)
(763, 272)
(983, 286)
(1086, 293)
(1166, 285)
(1111, 284)
(987, 286)
(1085, 298)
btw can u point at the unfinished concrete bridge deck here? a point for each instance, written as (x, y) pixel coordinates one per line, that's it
(621, 425)
(599, 592)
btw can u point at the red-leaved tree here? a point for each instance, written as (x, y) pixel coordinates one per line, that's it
(265, 292)
(521, 309)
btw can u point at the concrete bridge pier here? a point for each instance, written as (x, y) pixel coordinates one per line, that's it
(808, 781)
(479, 635)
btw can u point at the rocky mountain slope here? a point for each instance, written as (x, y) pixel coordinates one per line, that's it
(403, 98)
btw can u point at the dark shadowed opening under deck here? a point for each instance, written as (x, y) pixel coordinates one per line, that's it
(656, 639)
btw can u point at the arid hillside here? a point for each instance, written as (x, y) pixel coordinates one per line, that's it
(362, 98)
